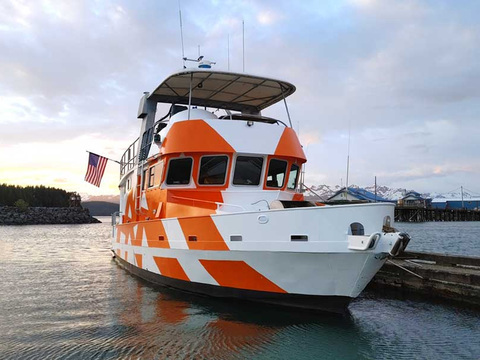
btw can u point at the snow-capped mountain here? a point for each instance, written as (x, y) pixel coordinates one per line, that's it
(326, 191)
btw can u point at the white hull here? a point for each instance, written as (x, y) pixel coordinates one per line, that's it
(322, 265)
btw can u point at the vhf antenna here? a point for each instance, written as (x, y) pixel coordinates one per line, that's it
(348, 160)
(181, 33)
(243, 43)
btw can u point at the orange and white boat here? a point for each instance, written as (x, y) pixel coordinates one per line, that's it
(210, 203)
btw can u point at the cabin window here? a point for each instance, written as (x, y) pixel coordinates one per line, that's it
(276, 173)
(179, 171)
(146, 143)
(213, 170)
(248, 170)
(151, 176)
(292, 178)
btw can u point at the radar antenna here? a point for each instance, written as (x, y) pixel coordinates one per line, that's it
(202, 63)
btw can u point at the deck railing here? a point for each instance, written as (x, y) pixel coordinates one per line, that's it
(129, 158)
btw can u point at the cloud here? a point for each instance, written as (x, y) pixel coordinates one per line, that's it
(403, 76)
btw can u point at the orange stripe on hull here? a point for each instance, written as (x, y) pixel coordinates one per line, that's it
(127, 231)
(154, 231)
(138, 259)
(238, 274)
(170, 267)
(156, 235)
(205, 232)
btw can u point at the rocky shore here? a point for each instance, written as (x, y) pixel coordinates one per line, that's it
(10, 215)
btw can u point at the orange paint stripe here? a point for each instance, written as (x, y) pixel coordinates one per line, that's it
(298, 197)
(207, 234)
(289, 146)
(238, 274)
(127, 231)
(194, 136)
(154, 231)
(138, 259)
(170, 267)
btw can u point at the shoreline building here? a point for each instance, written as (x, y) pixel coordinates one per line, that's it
(414, 199)
(356, 195)
(472, 203)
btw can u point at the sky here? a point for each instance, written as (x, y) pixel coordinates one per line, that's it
(400, 79)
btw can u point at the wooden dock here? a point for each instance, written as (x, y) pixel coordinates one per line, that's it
(416, 214)
(441, 276)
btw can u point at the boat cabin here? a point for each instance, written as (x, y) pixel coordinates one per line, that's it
(213, 151)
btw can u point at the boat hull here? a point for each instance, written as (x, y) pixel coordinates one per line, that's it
(336, 304)
(257, 256)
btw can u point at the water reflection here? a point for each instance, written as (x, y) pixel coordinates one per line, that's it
(62, 297)
(169, 323)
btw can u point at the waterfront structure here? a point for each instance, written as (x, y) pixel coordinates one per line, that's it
(471, 203)
(453, 277)
(210, 201)
(415, 199)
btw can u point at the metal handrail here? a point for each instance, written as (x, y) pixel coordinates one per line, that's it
(129, 158)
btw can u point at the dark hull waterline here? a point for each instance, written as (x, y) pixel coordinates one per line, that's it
(336, 304)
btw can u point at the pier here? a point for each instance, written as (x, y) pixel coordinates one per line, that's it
(441, 276)
(418, 214)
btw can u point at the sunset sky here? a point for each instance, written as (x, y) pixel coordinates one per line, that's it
(404, 76)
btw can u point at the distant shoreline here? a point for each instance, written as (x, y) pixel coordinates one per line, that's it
(11, 215)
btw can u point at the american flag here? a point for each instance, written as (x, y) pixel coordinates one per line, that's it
(96, 168)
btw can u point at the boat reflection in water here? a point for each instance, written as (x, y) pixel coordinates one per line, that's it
(164, 323)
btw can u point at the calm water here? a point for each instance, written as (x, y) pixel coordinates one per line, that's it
(460, 238)
(61, 296)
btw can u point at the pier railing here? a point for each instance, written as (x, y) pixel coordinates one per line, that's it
(418, 214)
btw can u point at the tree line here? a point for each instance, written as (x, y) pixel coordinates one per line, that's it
(35, 196)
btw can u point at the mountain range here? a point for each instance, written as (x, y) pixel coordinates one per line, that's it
(325, 191)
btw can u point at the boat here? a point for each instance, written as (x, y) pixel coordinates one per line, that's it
(210, 201)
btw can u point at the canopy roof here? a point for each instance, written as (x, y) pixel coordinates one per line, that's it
(225, 90)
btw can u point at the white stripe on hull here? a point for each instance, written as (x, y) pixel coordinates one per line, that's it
(340, 274)
(175, 235)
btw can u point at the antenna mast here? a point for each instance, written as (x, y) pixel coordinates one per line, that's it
(348, 160)
(228, 51)
(243, 43)
(181, 33)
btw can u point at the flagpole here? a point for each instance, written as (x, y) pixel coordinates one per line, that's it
(118, 162)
